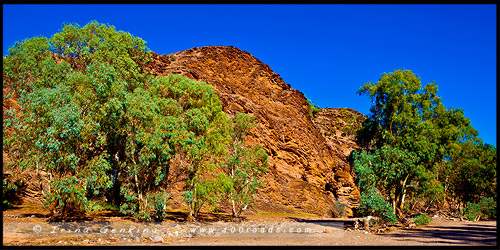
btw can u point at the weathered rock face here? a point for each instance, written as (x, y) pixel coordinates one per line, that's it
(308, 171)
(339, 126)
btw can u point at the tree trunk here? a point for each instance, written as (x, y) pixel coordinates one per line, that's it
(235, 214)
(394, 205)
(402, 194)
(138, 191)
(50, 180)
(193, 213)
(40, 179)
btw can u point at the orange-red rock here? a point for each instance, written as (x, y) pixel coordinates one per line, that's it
(308, 170)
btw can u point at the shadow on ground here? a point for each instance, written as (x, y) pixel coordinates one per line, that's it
(470, 234)
(342, 223)
(202, 217)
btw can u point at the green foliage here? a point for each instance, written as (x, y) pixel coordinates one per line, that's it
(68, 196)
(199, 136)
(389, 170)
(10, 187)
(472, 211)
(154, 207)
(447, 158)
(6, 204)
(406, 116)
(473, 171)
(486, 208)
(102, 43)
(98, 205)
(372, 203)
(72, 92)
(227, 169)
(97, 122)
(176, 115)
(244, 165)
(313, 108)
(203, 192)
(422, 219)
(339, 209)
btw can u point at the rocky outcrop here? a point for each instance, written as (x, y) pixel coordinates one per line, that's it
(308, 170)
(339, 126)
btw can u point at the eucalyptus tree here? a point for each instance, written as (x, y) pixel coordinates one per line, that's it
(91, 116)
(409, 138)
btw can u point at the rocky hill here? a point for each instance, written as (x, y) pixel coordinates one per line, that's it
(308, 169)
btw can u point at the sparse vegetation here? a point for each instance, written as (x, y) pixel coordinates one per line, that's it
(350, 122)
(313, 109)
(340, 209)
(10, 186)
(422, 219)
(99, 205)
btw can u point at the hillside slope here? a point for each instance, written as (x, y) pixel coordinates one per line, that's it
(308, 171)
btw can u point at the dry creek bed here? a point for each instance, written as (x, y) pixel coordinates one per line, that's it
(29, 226)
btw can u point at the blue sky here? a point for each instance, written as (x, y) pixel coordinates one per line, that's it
(325, 51)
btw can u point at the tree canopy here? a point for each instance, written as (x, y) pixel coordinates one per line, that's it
(102, 126)
(413, 144)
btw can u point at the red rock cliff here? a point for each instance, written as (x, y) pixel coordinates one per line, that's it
(308, 171)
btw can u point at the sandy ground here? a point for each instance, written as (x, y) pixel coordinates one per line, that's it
(438, 233)
(29, 226)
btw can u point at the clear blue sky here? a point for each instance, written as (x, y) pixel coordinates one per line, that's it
(325, 51)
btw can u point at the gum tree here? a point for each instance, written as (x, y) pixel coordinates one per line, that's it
(411, 120)
(89, 115)
(85, 116)
(244, 165)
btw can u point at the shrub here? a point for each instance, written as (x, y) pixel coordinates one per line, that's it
(152, 207)
(67, 197)
(156, 205)
(485, 208)
(488, 207)
(372, 203)
(6, 204)
(11, 186)
(472, 211)
(422, 219)
(98, 205)
(340, 209)
(313, 109)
